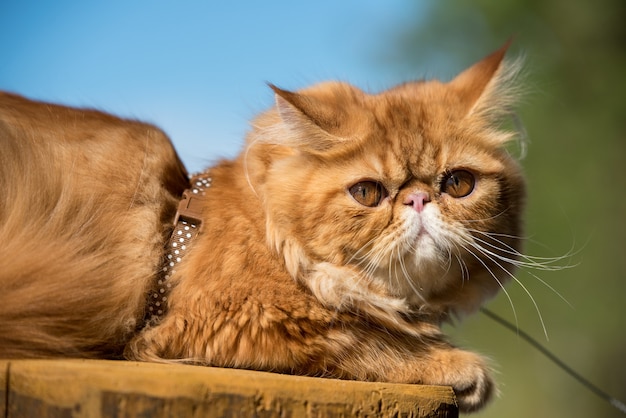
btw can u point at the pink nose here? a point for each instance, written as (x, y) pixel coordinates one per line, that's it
(417, 200)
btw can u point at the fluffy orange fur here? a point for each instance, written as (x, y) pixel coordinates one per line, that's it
(347, 230)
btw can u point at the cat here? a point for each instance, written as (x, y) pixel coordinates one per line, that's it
(347, 230)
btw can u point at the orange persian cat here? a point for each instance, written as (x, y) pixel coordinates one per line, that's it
(350, 227)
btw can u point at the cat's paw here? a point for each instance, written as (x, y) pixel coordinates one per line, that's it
(469, 377)
(473, 392)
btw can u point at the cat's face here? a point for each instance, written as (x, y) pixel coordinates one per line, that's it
(410, 188)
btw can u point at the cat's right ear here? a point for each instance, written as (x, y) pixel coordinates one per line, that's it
(488, 88)
(307, 122)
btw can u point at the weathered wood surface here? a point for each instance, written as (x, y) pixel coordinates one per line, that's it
(98, 388)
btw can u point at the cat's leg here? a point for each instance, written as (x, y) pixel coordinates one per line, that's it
(420, 361)
(467, 373)
(250, 337)
(344, 349)
(156, 343)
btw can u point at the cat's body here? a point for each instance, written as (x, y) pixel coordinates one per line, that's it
(334, 245)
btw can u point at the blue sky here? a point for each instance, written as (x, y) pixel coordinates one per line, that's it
(196, 69)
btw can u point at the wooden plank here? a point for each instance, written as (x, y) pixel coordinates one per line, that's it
(99, 388)
(4, 384)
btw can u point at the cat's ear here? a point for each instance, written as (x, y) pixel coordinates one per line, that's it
(485, 88)
(308, 121)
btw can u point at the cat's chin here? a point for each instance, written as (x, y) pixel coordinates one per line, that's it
(425, 251)
(419, 275)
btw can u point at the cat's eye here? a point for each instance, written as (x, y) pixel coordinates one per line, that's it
(368, 193)
(458, 183)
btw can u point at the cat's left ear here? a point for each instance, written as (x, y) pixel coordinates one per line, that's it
(485, 88)
(309, 121)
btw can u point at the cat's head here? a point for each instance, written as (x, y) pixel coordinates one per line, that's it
(402, 200)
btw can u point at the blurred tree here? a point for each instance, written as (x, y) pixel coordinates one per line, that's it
(575, 115)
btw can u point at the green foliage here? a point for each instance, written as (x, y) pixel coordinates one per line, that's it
(575, 115)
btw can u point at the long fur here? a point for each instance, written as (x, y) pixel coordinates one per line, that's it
(86, 198)
(290, 273)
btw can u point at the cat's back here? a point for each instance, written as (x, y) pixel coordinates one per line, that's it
(86, 197)
(61, 155)
(34, 124)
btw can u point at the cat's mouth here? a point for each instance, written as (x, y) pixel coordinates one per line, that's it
(423, 244)
(422, 232)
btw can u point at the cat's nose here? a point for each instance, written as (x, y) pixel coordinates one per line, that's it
(417, 200)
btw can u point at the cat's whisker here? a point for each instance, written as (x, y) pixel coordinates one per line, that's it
(464, 269)
(524, 264)
(540, 263)
(408, 279)
(493, 258)
(493, 275)
(367, 253)
(572, 251)
(448, 263)
(497, 215)
(546, 284)
(394, 266)
(443, 247)
(373, 259)
(496, 234)
(245, 164)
